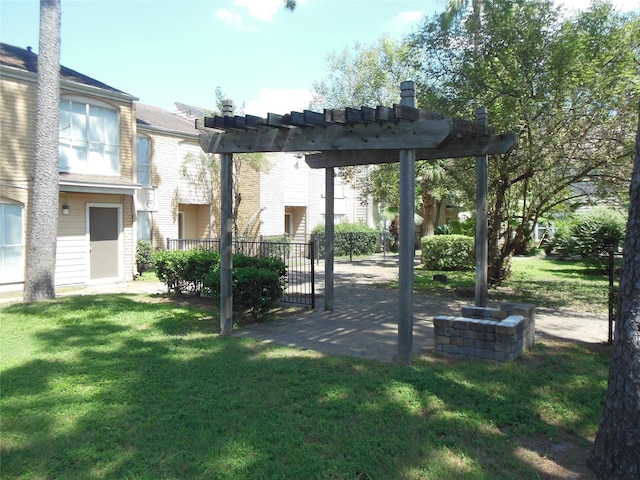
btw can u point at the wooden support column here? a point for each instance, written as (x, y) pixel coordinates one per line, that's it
(482, 242)
(329, 233)
(406, 240)
(226, 229)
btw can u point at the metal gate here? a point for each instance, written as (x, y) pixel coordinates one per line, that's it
(298, 257)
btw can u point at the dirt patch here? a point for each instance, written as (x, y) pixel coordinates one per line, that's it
(559, 458)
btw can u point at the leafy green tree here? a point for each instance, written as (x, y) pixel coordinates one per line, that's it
(39, 282)
(370, 75)
(567, 87)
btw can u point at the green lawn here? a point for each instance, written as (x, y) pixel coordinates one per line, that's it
(543, 282)
(132, 387)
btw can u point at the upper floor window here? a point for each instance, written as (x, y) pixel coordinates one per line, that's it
(143, 160)
(89, 138)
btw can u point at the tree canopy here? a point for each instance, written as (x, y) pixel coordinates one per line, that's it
(566, 86)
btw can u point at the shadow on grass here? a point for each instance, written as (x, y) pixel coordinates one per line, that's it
(122, 394)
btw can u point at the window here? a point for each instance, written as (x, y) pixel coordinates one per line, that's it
(144, 226)
(89, 138)
(11, 243)
(143, 156)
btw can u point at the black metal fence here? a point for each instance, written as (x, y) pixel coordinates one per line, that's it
(298, 257)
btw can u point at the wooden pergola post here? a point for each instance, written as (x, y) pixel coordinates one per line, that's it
(407, 234)
(482, 244)
(329, 229)
(226, 229)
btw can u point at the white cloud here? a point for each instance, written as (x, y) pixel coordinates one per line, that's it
(278, 100)
(239, 15)
(404, 22)
(234, 20)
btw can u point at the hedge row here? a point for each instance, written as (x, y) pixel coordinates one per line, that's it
(448, 252)
(258, 282)
(349, 239)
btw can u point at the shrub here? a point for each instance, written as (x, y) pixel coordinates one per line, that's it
(144, 261)
(562, 241)
(598, 231)
(590, 235)
(183, 270)
(349, 239)
(258, 282)
(448, 252)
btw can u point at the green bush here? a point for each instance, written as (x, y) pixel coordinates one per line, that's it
(349, 239)
(144, 261)
(448, 252)
(183, 270)
(591, 235)
(598, 231)
(258, 282)
(562, 242)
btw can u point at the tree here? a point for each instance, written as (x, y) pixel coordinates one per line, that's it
(566, 87)
(203, 173)
(43, 217)
(616, 452)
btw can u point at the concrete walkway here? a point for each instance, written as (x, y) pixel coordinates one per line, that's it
(365, 317)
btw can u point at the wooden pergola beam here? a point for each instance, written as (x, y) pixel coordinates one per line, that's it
(425, 134)
(456, 148)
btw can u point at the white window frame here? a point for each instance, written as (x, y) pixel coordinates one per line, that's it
(84, 152)
(147, 169)
(139, 213)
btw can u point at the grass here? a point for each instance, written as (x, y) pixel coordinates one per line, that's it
(545, 283)
(138, 387)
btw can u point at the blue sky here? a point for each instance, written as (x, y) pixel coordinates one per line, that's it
(166, 51)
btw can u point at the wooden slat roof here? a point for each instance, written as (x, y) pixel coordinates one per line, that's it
(353, 136)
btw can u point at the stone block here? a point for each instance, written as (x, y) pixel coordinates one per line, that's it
(452, 349)
(478, 312)
(504, 357)
(468, 334)
(443, 321)
(486, 354)
(506, 339)
(461, 323)
(459, 341)
(486, 336)
(443, 339)
(468, 351)
(503, 347)
(505, 329)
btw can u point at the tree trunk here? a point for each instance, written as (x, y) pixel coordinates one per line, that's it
(428, 202)
(616, 452)
(43, 219)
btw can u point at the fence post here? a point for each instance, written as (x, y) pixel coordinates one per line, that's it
(313, 274)
(610, 296)
(351, 247)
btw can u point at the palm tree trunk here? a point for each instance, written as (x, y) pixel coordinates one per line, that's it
(43, 219)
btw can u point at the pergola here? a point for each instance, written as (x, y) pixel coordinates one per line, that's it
(358, 136)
